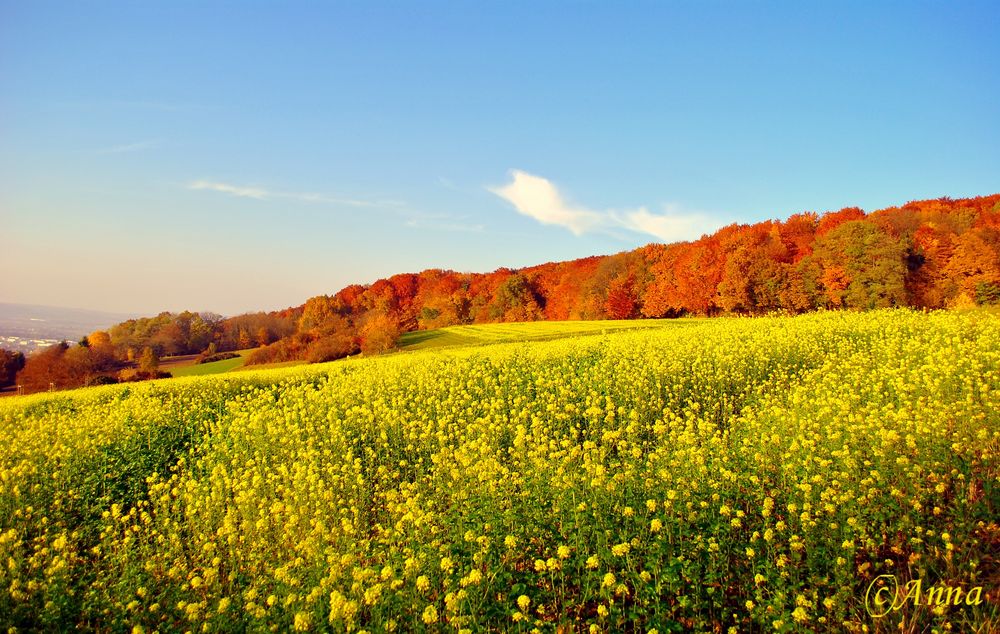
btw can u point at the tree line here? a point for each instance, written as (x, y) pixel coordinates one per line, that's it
(131, 350)
(938, 253)
(931, 254)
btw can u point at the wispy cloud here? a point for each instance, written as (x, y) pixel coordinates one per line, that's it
(156, 105)
(459, 227)
(427, 221)
(539, 198)
(232, 190)
(129, 147)
(671, 226)
(411, 217)
(131, 104)
(259, 193)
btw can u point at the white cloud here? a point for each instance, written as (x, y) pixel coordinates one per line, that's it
(539, 198)
(671, 226)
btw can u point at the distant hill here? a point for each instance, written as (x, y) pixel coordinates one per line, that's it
(941, 253)
(26, 328)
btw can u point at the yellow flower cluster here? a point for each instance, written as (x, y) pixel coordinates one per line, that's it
(725, 475)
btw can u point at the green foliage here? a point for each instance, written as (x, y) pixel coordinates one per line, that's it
(873, 262)
(987, 293)
(10, 364)
(429, 314)
(102, 379)
(514, 300)
(167, 333)
(218, 356)
(149, 361)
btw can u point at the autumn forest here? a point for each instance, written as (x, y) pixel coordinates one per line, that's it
(929, 254)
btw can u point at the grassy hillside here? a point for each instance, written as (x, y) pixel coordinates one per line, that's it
(898, 256)
(185, 366)
(454, 336)
(524, 331)
(215, 367)
(757, 474)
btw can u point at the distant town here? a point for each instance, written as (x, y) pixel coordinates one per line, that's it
(25, 345)
(27, 328)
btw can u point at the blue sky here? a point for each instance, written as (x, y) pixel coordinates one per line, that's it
(241, 156)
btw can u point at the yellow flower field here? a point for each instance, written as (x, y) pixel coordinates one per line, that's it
(731, 475)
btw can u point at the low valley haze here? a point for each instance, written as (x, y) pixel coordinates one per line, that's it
(25, 328)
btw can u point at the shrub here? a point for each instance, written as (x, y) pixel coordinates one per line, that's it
(102, 379)
(129, 375)
(379, 334)
(289, 349)
(219, 356)
(331, 348)
(987, 293)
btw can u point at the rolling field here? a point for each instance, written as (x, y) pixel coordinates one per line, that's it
(732, 475)
(215, 367)
(190, 368)
(525, 331)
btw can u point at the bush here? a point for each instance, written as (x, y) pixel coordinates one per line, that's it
(273, 353)
(987, 293)
(379, 334)
(130, 375)
(290, 349)
(220, 356)
(330, 349)
(102, 379)
(10, 364)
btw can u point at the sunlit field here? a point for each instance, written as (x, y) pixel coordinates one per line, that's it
(728, 475)
(215, 367)
(237, 364)
(526, 331)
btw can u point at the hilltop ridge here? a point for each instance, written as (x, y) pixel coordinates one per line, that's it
(927, 254)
